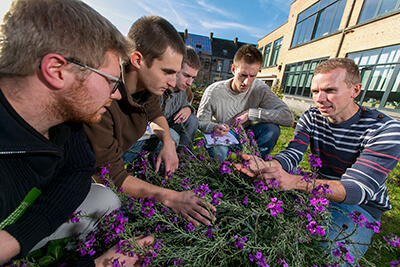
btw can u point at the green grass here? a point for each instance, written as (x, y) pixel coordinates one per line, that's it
(390, 220)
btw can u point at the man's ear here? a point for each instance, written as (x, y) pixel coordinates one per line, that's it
(137, 59)
(52, 68)
(233, 69)
(356, 90)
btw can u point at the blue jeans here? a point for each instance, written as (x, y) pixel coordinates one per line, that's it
(361, 237)
(186, 131)
(152, 145)
(266, 134)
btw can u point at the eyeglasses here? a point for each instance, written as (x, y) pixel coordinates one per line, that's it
(114, 81)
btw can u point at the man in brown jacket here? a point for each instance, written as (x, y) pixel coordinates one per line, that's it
(157, 55)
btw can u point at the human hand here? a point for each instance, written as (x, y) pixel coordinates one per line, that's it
(253, 164)
(283, 180)
(111, 255)
(168, 156)
(182, 115)
(240, 118)
(190, 207)
(221, 129)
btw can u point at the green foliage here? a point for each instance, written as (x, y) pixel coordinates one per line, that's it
(389, 220)
(277, 88)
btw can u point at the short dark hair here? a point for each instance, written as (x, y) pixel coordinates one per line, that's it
(249, 54)
(152, 35)
(191, 58)
(352, 73)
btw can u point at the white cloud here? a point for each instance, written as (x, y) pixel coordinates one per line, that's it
(212, 9)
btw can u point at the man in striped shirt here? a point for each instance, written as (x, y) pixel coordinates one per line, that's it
(358, 148)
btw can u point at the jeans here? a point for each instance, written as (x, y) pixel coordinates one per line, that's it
(361, 237)
(152, 145)
(266, 134)
(186, 131)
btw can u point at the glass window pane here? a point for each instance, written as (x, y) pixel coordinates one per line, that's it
(296, 34)
(355, 56)
(369, 57)
(289, 80)
(304, 14)
(302, 79)
(319, 24)
(306, 65)
(314, 64)
(387, 6)
(369, 10)
(330, 11)
(323, 4)
(267, 51)
(295, 80)
(314, 8)
(390, 55)
(310, 28)
(309, 79)
(338, 16)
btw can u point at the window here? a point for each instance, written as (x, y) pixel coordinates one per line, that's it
(267, 51)
(380, 77)
(275, 52)
(199, 46)
(225, 52)
(297, 77)
(219, 66)
(374, 8)
(320, 19)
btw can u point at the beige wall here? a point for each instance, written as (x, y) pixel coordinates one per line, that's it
(378, 33)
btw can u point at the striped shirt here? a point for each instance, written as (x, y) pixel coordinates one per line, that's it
(360, 153)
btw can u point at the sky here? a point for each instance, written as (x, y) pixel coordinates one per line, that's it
(248, 20)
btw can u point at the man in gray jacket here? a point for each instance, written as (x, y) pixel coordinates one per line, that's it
(176, 102)
(243, 100)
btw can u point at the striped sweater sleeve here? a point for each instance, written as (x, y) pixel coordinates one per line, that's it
(365, 179)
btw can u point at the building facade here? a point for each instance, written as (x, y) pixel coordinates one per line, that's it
(216, 56)
(367, 31)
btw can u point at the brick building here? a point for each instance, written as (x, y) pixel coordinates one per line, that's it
(216, 56)
(368, 31)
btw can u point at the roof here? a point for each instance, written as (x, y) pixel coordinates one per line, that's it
(199, 43)
(221, 48)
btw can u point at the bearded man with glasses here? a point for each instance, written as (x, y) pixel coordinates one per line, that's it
(59, 67)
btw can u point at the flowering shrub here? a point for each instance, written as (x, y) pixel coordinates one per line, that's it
(256, 224)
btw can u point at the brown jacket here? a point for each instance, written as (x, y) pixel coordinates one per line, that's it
(123, 123)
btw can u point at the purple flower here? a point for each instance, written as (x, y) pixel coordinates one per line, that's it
(275, 206)
(224, 167)
(245, 202)
(342, 251)
(361, 221)
(314, 161)
(186, 184)
(250, 134)
(259, 186)
(74, 216)
(315, 229)
(216, 198)
(260, 259)
(394, 264)
(147, 207)
(392, 240)
(189, 227)
(239, 242)
(201, 190)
